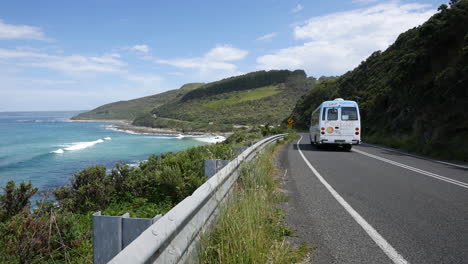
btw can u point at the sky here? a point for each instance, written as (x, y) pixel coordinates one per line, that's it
(77, 55)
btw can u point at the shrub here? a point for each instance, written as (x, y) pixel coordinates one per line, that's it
(15, 199)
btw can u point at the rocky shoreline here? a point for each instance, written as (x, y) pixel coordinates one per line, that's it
(124, 127)
(102, 120)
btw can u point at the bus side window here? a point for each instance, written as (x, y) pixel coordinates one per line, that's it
(323, 113)
(315, 117)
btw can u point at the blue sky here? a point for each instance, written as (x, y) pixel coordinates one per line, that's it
(77, 55)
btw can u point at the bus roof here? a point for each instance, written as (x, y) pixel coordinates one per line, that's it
(336, 103)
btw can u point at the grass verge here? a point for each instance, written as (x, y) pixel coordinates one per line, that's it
(249, 228)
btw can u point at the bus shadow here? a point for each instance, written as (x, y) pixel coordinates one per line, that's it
(310, 147)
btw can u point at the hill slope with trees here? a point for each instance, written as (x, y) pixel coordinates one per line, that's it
(129, 110)
(257, 98)
(414, 95)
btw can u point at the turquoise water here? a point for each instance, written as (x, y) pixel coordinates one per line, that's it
(46, 149)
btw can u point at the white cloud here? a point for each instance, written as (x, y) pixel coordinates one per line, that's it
(9, 31)
(216, 63)
(338, 42)
(74, 94)
(79, 64)
(216, 59)
(297, 8)
(225, 53)
(13, 54)
(144, 79)
(140, 48)
(267, 37)
(364, 1)
(48, 82)
(68, 64)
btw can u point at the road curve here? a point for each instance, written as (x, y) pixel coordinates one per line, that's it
(374, 205)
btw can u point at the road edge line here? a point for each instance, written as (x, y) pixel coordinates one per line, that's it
(378, 239)
(417, 156)
(420, 171)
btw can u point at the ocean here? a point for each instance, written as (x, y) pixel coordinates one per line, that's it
(47, 149)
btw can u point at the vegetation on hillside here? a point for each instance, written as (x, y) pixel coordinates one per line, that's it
(234, 103)
(129, 110)
(414, 94)
(148, 120)
(242, 96)
(263, 97)
(243, 82)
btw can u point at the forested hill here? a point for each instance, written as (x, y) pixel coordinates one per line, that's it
(414, 95)
(243, 82)
(129, 110)
(257, 98)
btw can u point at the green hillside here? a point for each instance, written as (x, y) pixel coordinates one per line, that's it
(243, 82)
(256, 98)
(414, 95)
(129, 110)
(248, 95)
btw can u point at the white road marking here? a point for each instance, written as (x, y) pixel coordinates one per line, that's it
(378, 239)
(430, 174)
(416, 156)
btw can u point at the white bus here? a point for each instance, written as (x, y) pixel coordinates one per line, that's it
(336, 123)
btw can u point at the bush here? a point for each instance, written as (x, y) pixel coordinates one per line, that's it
(47, 235)
(15, 199)
(90, 189)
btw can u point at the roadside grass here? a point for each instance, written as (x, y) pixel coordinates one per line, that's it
(248, 95)
(250, 227)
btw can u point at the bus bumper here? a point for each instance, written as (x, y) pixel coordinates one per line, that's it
(340, 141)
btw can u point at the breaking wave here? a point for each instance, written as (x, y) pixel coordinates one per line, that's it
(213, 139)
(79, 145)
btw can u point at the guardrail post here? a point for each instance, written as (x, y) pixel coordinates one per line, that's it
(132, 228)
(111, 234)
(213, 166)
(107, 237)
(239, 150)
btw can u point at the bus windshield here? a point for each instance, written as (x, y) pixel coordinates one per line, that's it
(349, 113)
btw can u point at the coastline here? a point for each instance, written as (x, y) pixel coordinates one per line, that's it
(102, 120)
(162, 131)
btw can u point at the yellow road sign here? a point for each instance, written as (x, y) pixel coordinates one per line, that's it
(290, 120)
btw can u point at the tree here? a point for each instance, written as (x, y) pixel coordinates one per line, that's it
(442, 8)
(15, 199)
(453, 2)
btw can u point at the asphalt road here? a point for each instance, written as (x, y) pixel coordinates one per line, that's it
(372, 205)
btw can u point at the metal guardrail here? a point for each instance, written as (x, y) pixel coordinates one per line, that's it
(173, 238)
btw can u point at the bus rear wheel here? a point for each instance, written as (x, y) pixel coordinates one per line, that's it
(347, 147)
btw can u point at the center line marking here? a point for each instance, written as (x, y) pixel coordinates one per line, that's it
(430, 174)
(378, 239)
